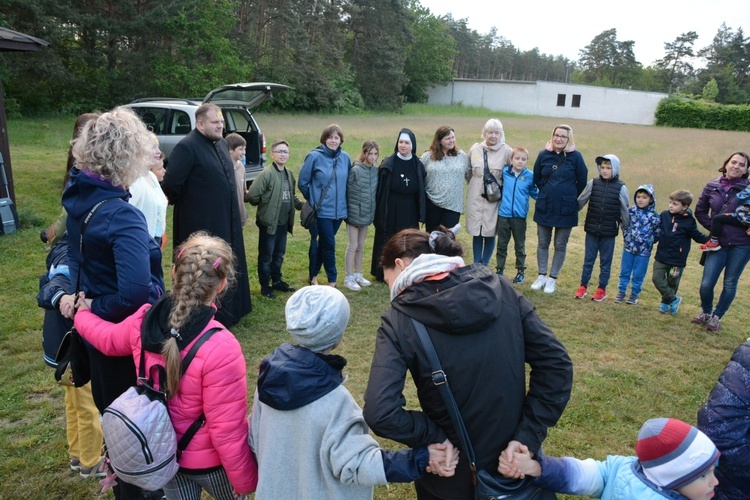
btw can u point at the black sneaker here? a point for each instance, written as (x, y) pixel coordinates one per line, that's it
(519, 278)
(283, 286)
(267, 292)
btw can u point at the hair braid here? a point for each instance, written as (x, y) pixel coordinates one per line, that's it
(202, 264)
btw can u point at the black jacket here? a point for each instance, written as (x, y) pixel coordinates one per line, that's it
(200, 183)
(674, 238)
(484, 332)
(603, 217)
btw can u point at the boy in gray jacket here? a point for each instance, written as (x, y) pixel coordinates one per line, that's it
(307, 431)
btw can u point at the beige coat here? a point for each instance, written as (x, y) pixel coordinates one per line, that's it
(481, 215)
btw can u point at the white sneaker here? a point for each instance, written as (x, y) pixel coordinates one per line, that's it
(551, 285)
(539, 283)
(361, 281)
(351, 284)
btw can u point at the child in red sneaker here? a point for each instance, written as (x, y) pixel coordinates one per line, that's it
(607, 198)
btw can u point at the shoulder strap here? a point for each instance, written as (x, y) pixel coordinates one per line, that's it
(84, 225)
(194, 349)
(489, 176)
(440, 379)
(193, 429)
(330, 180)
(554, 169)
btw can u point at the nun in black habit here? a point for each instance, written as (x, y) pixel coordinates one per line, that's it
(400, 198)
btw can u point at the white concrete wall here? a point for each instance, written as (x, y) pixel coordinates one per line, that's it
(540, 98)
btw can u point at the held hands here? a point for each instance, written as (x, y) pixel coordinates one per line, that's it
(68, 305)
(517, 462)
(83, 304)
(443, 459)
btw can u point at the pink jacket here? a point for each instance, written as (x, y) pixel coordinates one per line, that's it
(214, 384)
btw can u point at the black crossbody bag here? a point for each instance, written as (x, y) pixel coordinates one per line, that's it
(487, 485)
(72, 358)
(309, 214)
(493, 191)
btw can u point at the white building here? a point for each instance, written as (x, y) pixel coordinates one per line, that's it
(559, 100)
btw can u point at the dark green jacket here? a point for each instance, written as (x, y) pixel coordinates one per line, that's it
(265, 193)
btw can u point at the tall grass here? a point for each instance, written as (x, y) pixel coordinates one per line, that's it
(631, 363)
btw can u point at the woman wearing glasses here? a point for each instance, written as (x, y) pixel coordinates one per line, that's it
(560, 174)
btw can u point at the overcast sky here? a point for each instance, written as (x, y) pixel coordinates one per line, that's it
(565, 27)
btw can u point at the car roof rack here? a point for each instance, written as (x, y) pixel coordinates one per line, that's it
(169, 99)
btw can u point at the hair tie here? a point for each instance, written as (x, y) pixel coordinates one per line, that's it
(174, 333)
(217, 262)
(179, 254)
(436, 234)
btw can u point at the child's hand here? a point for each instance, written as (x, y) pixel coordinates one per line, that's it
(67, 305)
(517, 462)
(83, 304)
(443, 459)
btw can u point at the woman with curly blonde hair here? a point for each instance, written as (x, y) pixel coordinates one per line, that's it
(118, 264)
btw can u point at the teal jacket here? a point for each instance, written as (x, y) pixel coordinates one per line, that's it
(265, 193)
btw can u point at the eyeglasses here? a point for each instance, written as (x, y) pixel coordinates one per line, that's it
(281, 152)
(561, 136)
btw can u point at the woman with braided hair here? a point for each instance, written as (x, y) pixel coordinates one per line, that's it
(218, 458)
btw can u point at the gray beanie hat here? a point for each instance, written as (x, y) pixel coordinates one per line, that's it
(316, 317)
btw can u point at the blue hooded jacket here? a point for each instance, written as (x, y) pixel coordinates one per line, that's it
(516, 193)
(320, 164)
(645, 225)
(121, 265)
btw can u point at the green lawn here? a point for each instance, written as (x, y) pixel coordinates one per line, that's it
(631, 363)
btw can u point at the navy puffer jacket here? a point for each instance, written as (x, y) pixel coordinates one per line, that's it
(725, 418)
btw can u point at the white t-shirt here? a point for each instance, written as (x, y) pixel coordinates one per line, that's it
(147, 196)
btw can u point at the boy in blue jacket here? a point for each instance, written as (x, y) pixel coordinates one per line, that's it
(518, 187)
(639, 237)
(678, 227)
(674, 460)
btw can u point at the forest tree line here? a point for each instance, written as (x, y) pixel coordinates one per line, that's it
(338, 55)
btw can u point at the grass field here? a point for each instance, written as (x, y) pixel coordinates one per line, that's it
(631, 363)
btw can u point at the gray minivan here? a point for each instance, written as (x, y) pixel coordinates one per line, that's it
(171, 119)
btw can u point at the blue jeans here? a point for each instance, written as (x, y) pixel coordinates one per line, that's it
(730, 259)
(544, 237)
(484, 247)
(271, 250)
(633, 269)
(605, 248)
(322, 251)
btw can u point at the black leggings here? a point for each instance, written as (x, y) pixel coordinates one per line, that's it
(718, 222)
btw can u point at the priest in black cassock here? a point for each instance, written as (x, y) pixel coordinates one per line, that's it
(200, 183)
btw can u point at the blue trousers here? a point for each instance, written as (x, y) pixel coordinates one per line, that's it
(484, 247)
(633, 269)
(604, 246)
(322, 251)
(730, 259)
(271, 250)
